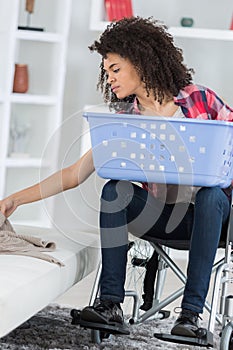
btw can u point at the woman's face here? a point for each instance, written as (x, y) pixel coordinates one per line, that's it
(122, 76)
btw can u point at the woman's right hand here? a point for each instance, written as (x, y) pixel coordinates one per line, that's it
(7, 206)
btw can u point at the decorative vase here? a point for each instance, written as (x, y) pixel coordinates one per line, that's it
(186, 22)
(20, 84)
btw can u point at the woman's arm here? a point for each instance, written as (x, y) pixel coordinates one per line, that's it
(62, 180)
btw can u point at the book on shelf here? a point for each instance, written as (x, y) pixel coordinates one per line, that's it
(118, 9)
(231, 26)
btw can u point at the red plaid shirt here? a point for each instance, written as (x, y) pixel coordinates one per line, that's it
(197, 101)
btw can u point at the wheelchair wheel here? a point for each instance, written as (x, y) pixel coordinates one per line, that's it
(138, 255)
(227, 337)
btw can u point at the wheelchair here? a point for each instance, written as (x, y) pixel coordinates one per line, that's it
(147, 267)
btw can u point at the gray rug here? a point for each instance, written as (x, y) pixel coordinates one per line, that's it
(51, 329)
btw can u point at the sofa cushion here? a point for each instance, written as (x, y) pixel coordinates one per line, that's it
(29, 284)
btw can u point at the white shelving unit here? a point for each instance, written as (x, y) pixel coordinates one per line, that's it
(207, 46)
(36, 115)
(200, 33)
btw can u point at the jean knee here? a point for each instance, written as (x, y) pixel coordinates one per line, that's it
(117, 190)
(211, 198)
(116, 196)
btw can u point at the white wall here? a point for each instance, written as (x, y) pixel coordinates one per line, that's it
(78, 208)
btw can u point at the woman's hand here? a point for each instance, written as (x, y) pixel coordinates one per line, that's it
(7, 206)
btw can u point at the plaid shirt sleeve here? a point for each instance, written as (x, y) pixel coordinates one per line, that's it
(197, 101)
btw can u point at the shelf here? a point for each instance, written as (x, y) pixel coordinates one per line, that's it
(22, 162)
(29, 121)
(38, 36)
(99, 26)
(185, 32)
(201, 33)
(33, 99)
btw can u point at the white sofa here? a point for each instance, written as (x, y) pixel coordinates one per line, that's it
(29, 284)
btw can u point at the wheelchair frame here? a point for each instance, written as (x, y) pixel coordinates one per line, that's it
(224, 316)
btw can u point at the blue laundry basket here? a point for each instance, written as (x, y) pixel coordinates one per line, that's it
(164, 150)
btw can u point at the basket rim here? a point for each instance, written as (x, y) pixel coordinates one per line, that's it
(114, 117)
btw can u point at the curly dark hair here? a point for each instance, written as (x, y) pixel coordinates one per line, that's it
(150, 48)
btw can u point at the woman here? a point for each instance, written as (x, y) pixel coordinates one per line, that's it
(143, 71)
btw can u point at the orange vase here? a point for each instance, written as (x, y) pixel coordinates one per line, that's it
(20, 84)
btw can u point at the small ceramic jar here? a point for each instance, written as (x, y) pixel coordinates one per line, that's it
(20, 84)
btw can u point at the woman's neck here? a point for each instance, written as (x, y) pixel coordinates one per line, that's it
(150, 106)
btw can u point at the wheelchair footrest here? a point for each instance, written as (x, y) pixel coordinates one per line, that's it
(204, 338)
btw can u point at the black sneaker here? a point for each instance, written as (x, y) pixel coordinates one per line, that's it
(105, 316)
(186, 324)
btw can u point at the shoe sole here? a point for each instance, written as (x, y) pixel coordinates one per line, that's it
(113, 328)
